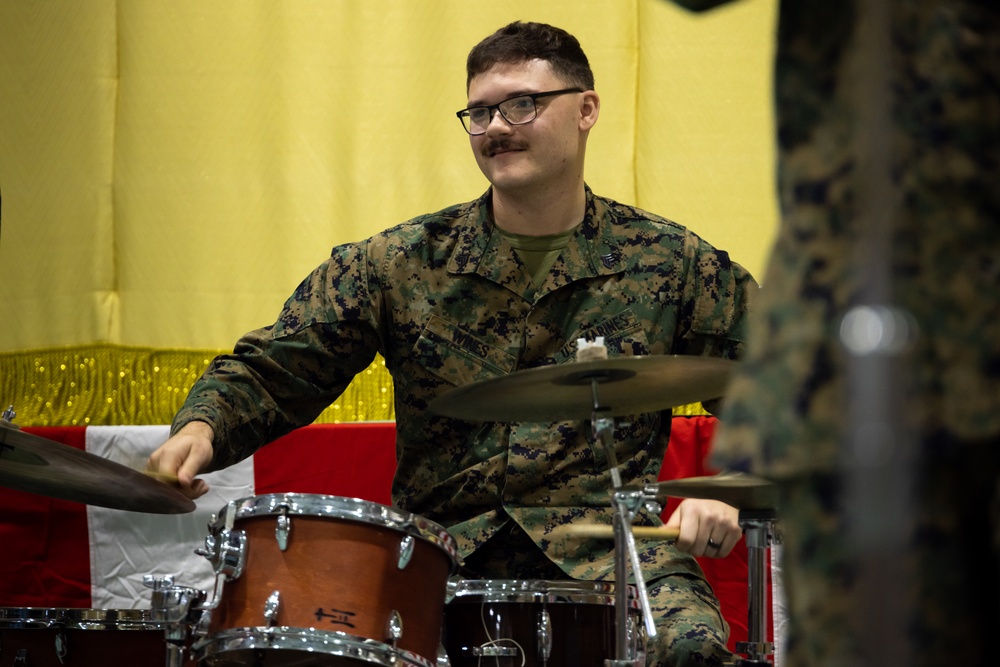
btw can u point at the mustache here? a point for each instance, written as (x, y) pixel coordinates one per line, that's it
(494, 146)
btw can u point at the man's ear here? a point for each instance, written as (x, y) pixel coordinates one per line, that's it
(590, 109)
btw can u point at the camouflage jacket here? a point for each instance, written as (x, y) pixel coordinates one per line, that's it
(446, 301)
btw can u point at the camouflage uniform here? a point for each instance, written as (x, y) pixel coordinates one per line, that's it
(445, 300)
(790, 409)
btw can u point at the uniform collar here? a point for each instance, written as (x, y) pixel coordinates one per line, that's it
(593, 251)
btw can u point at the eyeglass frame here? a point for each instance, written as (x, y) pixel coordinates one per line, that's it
(493, 108)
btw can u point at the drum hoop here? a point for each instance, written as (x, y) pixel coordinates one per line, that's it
(536, 591)
(77, 618)
(323, 642)
(339, 507)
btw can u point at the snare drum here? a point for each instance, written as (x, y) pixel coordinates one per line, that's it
(508, 623)
(325, 580)
(40, 637)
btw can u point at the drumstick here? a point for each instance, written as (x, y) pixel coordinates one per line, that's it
(641, 532)
(161, 476)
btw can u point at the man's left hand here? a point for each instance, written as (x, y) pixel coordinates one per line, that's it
(707, 527)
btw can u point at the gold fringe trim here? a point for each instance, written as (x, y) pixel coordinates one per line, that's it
(690, 410)
(115, 385)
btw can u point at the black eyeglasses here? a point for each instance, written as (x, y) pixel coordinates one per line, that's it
(518, 110)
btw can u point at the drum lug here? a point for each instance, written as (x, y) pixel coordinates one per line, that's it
(405, 551)
(394, 628)
(544, 635)
(284, 527)
(21, 660)
(62, 647)
(271, 608)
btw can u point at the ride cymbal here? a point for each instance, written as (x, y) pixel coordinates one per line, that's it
(31, 463)
(624, 386)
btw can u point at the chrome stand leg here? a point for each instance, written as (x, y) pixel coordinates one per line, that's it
(758, 529)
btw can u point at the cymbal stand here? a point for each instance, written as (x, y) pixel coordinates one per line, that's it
(625, 505)
(758, 530)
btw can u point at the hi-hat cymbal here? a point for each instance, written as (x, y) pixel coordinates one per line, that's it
(31, 463)
(624, 385)
(745, 492)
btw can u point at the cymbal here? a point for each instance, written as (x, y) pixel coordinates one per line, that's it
(745, 492)
(31, 463)
(625, 386)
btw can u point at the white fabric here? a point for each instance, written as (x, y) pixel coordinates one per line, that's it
(125, 546)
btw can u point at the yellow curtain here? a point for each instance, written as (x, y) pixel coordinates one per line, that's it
(171, 170)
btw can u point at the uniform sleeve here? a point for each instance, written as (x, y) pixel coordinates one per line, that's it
(281, 377)
(717, 300)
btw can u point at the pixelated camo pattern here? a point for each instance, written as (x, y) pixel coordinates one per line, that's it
(445, 300)
(786, 408)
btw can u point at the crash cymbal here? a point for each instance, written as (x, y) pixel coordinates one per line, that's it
(625, 386)
(745, 492)
(31, 463)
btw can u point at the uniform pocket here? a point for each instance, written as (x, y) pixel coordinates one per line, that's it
(457, 356)
(623, 335)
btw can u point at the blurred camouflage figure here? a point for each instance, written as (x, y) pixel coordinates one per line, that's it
(507, 282)
(798, 409)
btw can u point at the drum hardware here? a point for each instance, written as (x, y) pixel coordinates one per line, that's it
(177, 608)
(61, 647)
(227, 552)
(405, 552)
(758, 529)
(271, 607)
(544, 635)
(8, 416)
(496, 651)
(37, 465)
(306, 646)
(757, 500)
(626, 505)
(282, 529)
(394, 628)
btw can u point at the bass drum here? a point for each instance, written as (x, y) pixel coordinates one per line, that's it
(509, 623)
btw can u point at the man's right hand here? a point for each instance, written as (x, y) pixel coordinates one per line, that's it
(184, 455)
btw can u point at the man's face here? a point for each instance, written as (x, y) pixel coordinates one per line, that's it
(545, 152)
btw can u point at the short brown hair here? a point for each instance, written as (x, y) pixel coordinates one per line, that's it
(520, 42)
